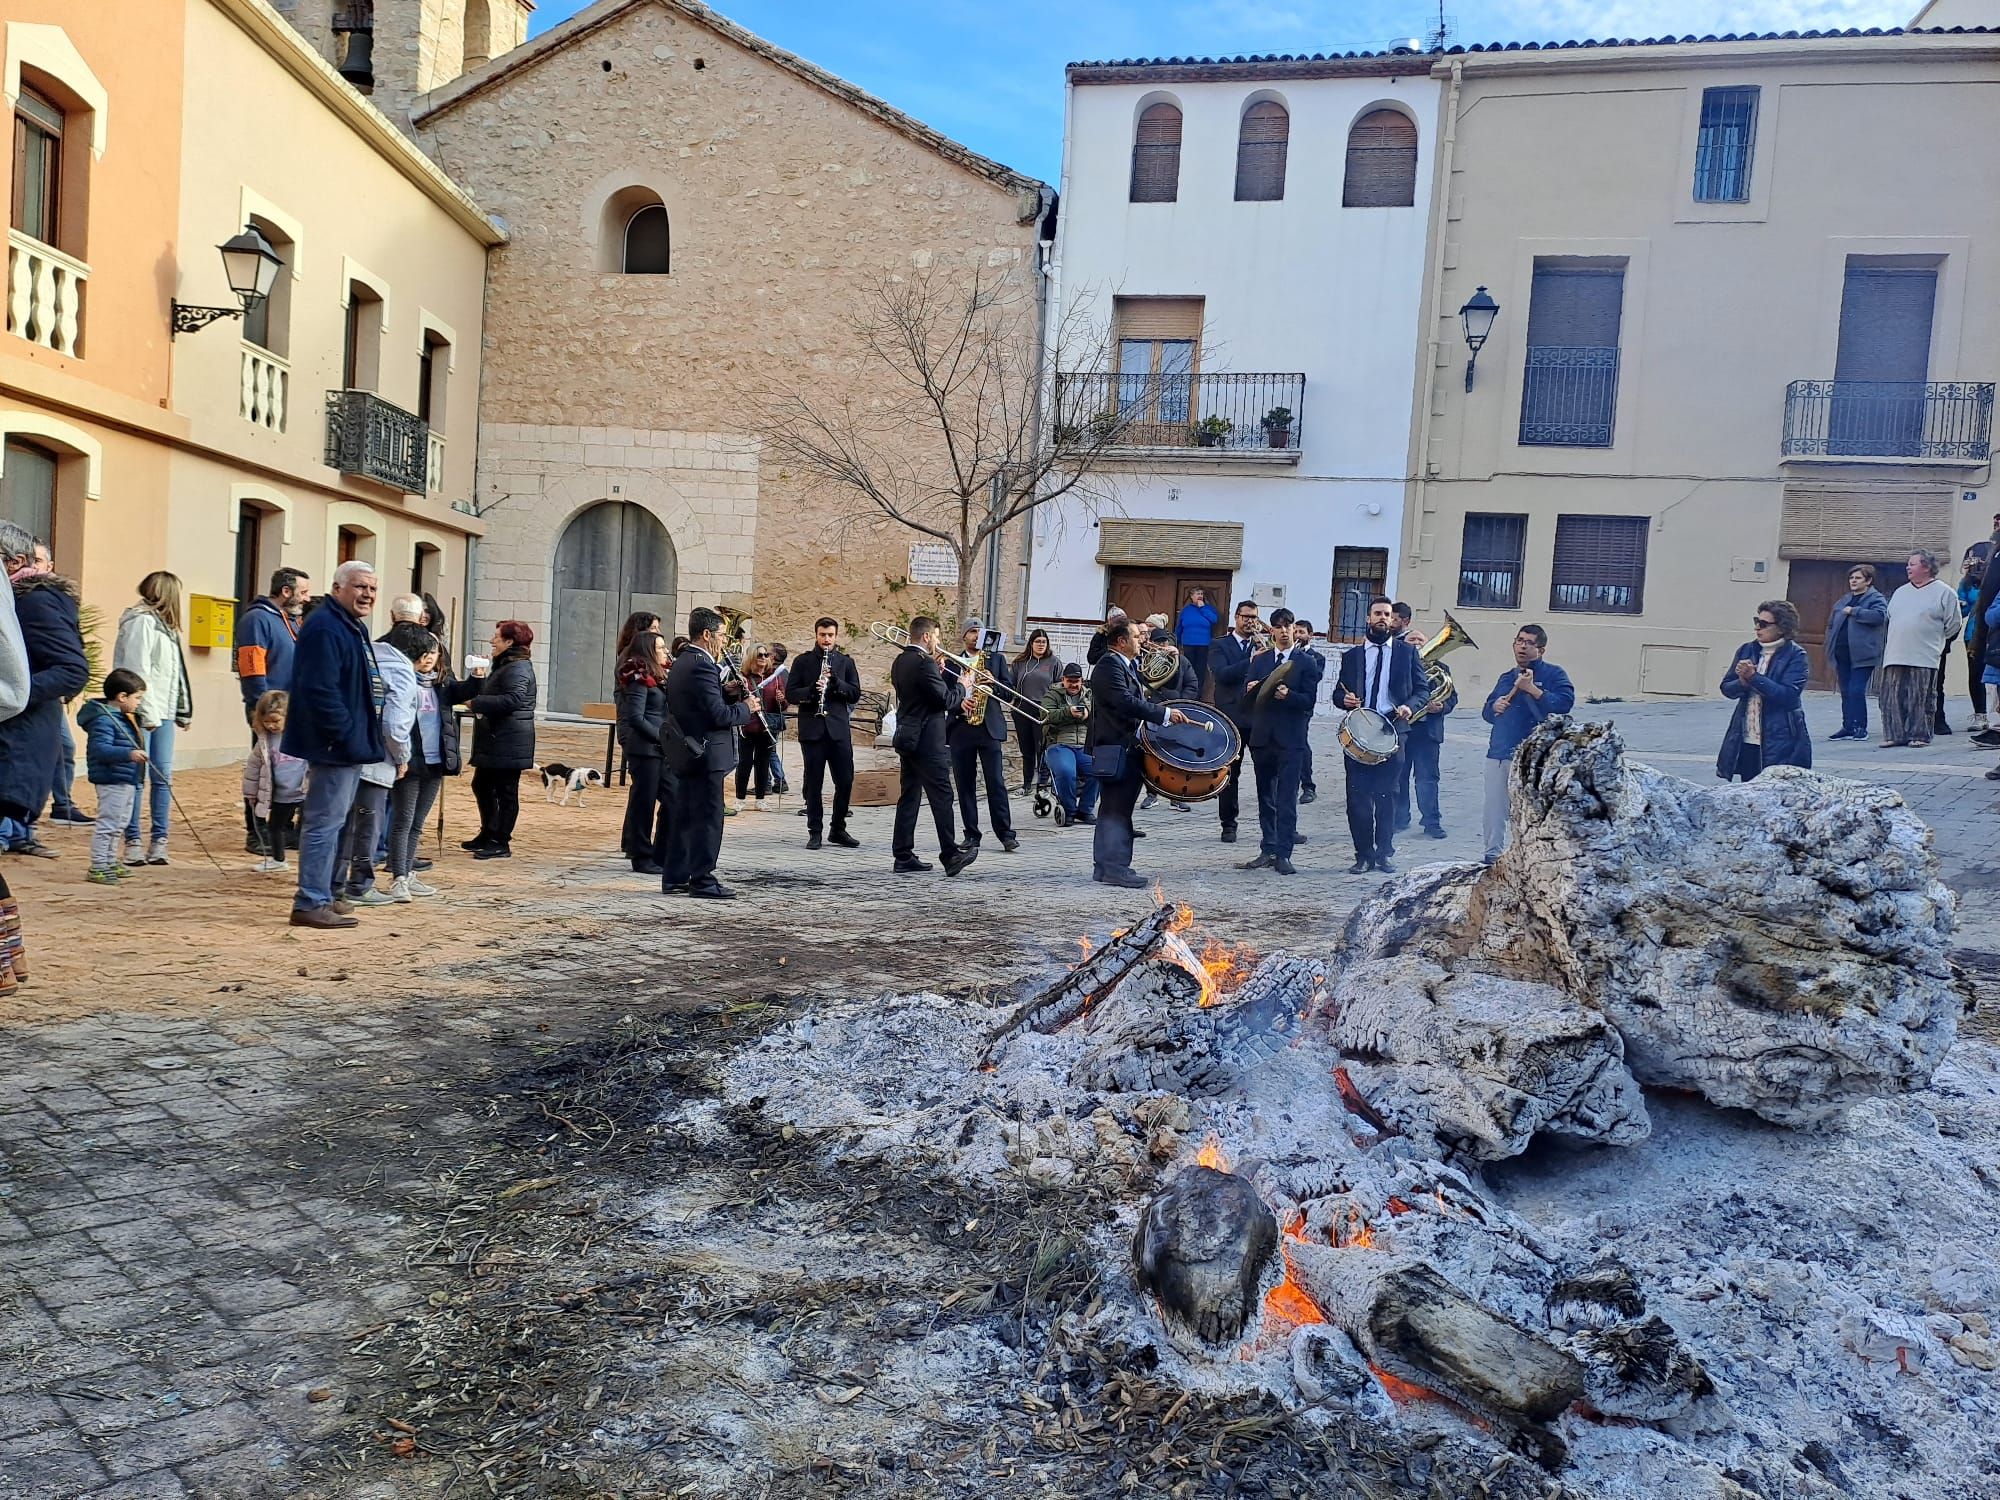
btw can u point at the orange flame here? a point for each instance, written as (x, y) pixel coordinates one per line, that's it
(1402, 1391)
(1085, 944)
(1287, 1306)
(1211, 1155)
(1398, 1206)
(1354, 1234)
(1224, 967)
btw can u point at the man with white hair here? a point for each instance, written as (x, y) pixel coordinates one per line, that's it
(335, 725)
(407, 607)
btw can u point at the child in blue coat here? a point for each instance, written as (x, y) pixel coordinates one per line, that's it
(116, 765)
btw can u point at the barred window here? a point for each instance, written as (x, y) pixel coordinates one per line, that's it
(1569, 388)
(1260, 152)
(1489, 563)
(1600, 564)
(1156, 155)
(1381, 161)
(1724, 147)
(1359, 575)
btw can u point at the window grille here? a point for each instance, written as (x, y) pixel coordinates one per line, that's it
(1156, 155)
(1569, 388)
(1489, 563)
(1359, 575)
(1725, 145)
(1600, 564)
(1260, 152)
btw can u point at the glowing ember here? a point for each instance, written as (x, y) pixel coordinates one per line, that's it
(1211, 1155)
(1402, 1391)
(1398, 1206)
(1288, 1308)
(1354, 1234)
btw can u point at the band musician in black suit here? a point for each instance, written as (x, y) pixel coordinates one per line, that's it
(975, 747)
(698, 740)
(1386, 674)
(1228, 665)
(1118, 706)
(1278, 738)
(925, 701)
(825, 731)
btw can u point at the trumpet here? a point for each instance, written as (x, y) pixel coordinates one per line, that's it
(977, 678)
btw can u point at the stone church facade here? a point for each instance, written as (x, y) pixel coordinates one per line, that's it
(694, 218)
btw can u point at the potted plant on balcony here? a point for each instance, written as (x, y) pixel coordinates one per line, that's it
(1210, 431)
(1277, 425)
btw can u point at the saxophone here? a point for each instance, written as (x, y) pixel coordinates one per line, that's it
(980, 690)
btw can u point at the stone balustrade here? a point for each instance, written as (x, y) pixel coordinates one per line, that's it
(44, 294)
(266, 388)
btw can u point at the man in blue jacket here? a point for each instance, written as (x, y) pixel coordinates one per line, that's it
(1534, 691)
(1278, 738)
(335, 726)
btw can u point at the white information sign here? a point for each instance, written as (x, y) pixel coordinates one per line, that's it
(933, 564)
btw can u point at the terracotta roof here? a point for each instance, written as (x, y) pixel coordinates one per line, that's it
(1265, 60)
(604, 12)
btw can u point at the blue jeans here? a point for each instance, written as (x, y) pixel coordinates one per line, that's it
(159, 748)
(1853, 696)
(329, 798)
(1066, 763)
(60, 794)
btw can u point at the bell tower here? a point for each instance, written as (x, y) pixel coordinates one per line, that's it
(398, 50)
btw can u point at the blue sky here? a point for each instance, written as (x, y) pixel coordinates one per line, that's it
(991, 75)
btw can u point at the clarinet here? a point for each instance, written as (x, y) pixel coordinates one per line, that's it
(825, 676)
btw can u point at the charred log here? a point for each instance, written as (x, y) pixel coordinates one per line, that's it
(1084, 985)
(1201, 1248)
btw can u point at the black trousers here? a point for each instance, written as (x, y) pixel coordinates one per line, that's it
(926, 777)
(1028, 735)
(695, 842)
(642, 797)
(498, 794)
(982, 754)
(837, 752)
(1226, 801)
(1306, 770)
(1371, 807)
(1938, 723)
(753, 755)
(1278, 771)
(1111, 839)
(1749, 761)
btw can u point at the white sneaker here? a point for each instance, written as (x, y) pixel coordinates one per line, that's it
(1978, 722)
(135, 852)
(266, 866)
(373, 897)
(399, 889)
(157, 855)
(416, 887)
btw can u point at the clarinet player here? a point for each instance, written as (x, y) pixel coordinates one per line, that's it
(823, 686)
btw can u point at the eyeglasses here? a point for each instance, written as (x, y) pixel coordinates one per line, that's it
(1763, 624)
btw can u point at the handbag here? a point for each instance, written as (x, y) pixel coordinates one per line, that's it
(1107, 762)
(682, 750)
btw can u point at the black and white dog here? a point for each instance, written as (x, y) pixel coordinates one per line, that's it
(567, 780)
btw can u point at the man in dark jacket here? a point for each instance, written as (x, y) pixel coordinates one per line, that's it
(925, 702)
(1383, 673)
(31, 741)
(825, 728)
(1228, 666)
(698, 739)
(1278, 738)
(1118, 706)
(975, 748)
(335, 726)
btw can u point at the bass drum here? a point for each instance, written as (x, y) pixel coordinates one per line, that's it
(1188, 762)
(1368, 738)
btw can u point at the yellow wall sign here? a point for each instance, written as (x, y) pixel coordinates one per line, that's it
(211, 622)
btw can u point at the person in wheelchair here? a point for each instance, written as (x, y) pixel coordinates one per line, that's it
(1066, 749)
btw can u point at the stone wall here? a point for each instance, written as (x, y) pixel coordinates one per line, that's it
(789, 201)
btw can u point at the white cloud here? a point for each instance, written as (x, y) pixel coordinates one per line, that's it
(1562, 20)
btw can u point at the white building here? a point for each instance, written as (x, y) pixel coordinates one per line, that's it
(1251, 236)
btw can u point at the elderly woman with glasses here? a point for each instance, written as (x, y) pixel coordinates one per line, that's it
(1767, 681)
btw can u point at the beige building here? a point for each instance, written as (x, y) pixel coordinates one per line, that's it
(146, 134)
(695, 216)
(1749, 326)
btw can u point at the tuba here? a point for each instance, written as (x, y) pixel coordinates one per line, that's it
(1430, 653)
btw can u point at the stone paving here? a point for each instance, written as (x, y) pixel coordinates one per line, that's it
(202, 1212)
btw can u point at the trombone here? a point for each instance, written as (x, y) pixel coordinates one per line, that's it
(974, 676)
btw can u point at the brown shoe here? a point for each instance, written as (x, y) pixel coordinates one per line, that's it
(343, 906)
(322, 916)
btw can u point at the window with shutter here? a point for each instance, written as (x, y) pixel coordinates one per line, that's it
(1156, 155)
(38, 148)
(1569, 389)
(1723, 149)
(1158, 341)
(1600, 564)
(1381, 161)
(1260, 152)
(1489, 562)
(28, 489)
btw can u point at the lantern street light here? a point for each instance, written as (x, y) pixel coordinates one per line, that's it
(1477, 315)
(250, 266)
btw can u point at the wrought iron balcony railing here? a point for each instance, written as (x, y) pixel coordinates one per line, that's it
(1947, 421)
(1569, 396)
(1194, 414)
(370, 439)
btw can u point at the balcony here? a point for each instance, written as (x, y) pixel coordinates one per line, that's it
(1233, 418)
(434, 463)
(1922, 421)
(1569, 396)
(265, 389)
(368, 438)
(44, 294)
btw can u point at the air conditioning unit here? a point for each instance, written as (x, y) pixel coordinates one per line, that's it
(1268, 595)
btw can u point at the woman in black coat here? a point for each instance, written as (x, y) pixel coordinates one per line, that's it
(642, 704)
(1767, 680)
(503, 736)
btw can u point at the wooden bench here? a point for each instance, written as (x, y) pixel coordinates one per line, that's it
(607, 714)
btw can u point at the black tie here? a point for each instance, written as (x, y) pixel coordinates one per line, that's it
(1375, 692)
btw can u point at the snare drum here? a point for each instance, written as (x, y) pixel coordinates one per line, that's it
(1368, 738)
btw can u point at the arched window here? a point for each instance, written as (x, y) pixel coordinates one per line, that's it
(646, 242)
(1260, 152)
(1156, 155)
(1381, 161)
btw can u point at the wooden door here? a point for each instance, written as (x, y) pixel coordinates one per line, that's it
(1814, 587)
(1162, 591)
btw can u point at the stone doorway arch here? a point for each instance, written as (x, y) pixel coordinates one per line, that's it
(613, 558)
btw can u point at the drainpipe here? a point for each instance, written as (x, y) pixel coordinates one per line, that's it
(1046, 286)
(1414, 512)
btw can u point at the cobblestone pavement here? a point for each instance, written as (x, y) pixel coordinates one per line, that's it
(205, 1210)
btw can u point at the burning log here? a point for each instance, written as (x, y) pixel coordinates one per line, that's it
(1163, 1028)
(1084, 985)
(1480, 1064)
(1777, 946)
(1201, 1248)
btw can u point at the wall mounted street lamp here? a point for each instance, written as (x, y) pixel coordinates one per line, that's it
(251, 268)
(1477, 315)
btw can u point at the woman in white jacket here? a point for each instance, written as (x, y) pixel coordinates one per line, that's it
(395, 660)
(149, 643)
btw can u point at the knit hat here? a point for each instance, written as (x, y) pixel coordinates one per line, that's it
(971, 625)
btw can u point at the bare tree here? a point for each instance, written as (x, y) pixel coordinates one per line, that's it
(955, 439)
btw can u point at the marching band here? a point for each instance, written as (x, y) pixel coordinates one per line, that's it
(1140, 724)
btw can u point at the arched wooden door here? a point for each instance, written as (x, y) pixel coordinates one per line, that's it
(613, 559)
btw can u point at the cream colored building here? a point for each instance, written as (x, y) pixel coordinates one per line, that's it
(1749, 327)
(152, 133)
